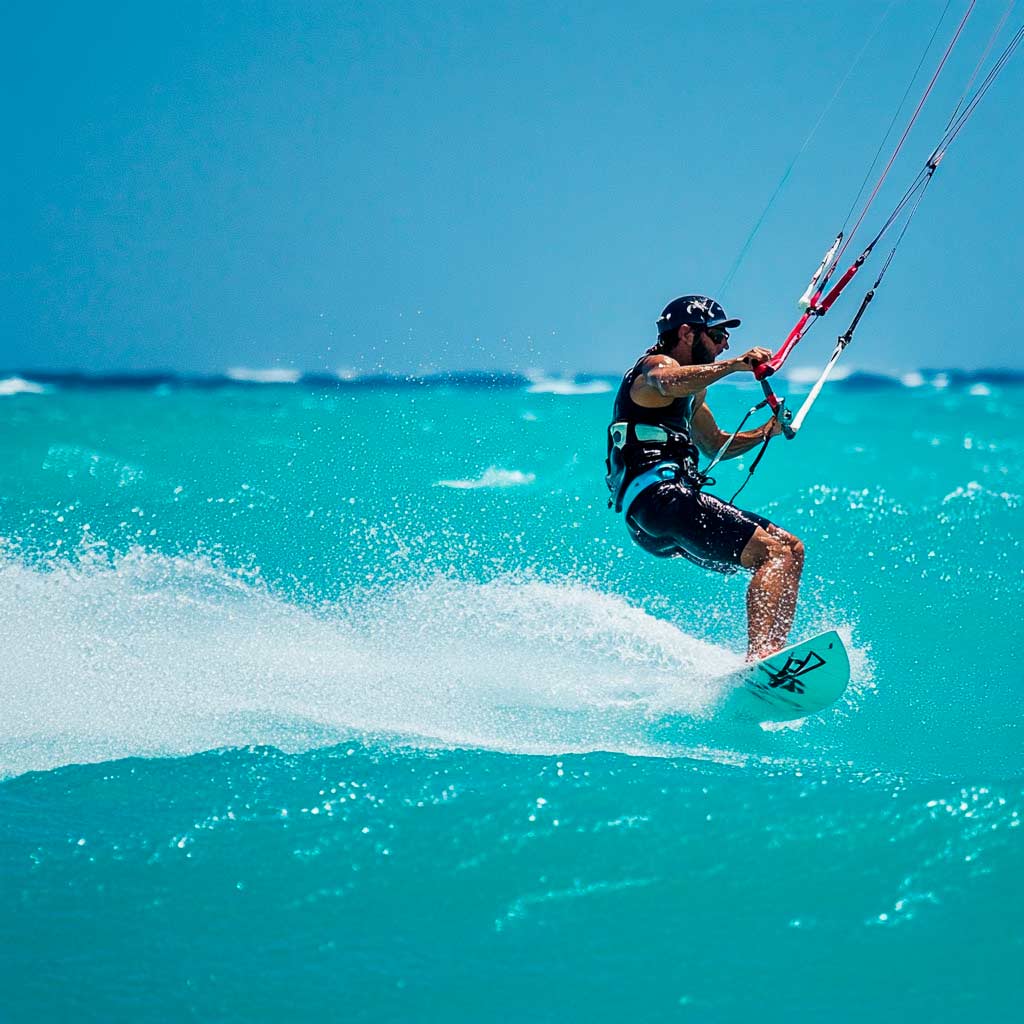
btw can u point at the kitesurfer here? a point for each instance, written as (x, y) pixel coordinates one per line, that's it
(660, 421)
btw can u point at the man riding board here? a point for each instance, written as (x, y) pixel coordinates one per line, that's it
(661, 419)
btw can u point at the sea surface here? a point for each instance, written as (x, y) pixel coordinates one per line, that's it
(350, 700)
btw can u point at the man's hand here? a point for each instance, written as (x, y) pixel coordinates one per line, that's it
(750, 359)
(772, 428)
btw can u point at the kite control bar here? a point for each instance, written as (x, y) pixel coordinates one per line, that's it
(818, 306)
(778, 408)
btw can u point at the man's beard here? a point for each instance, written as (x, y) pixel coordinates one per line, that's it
(700, 353)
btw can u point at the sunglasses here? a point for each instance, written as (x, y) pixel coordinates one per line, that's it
(717, 334)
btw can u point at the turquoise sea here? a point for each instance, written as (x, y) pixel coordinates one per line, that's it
(351, 700)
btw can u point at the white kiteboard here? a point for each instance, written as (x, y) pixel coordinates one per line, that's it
(794, 683)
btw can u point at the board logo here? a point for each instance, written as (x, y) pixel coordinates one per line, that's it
(789, 676)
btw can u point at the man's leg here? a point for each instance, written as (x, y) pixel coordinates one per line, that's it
(777, 559)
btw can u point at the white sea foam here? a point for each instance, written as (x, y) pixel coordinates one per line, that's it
(974, 491)
(20, 386)
(491, 477)
(556, 386)
(276, 375)
(809, 374)
(146, 654)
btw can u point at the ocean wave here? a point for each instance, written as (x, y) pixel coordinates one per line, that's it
(579, 385)
(809, 374)
(20, 386)
(277, 375)
(561, 386)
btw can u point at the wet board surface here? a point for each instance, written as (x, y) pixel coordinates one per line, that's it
(795, 683)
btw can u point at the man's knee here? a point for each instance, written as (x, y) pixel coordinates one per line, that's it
(794, 545)
(773, 545)
(763, 546)
(796, 548)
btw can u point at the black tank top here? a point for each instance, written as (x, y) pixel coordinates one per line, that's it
(634, 457)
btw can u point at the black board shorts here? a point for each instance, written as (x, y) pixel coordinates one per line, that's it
(674, 520)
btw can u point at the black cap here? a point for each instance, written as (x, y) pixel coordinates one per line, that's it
(695, 310)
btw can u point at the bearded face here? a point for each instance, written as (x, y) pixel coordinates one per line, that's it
(702, 350)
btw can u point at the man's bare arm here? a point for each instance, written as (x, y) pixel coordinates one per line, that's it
(672, 380)
(709, 437)
(666, 379)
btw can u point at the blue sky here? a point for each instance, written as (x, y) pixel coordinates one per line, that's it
(401, 187)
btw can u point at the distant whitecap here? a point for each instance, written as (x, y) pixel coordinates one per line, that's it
(569, 387)
(492, 477)
(20, 386)
(809, 374)
(277, 375)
